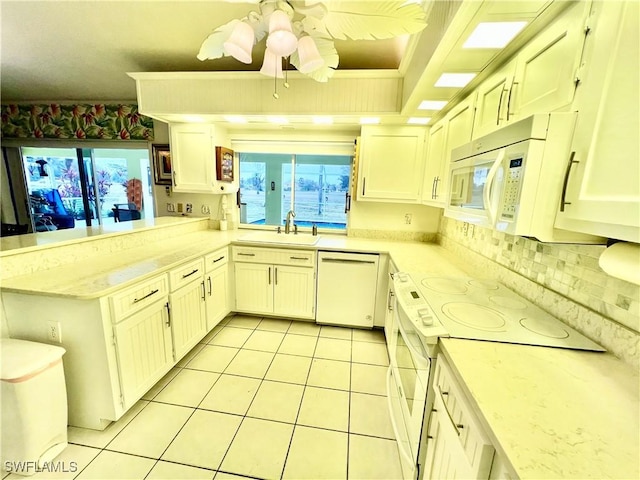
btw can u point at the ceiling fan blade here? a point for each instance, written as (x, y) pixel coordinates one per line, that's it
(212, 46)
(372, 20)
(328, 52)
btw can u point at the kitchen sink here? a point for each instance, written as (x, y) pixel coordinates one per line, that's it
(281, 238)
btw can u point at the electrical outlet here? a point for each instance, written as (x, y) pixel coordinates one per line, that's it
(205, 209)
(465, 228)
(407, 218)
(189, 208)
(54, 332)
(179, 208)
(171, 207)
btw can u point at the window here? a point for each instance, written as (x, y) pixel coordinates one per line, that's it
(313, 186)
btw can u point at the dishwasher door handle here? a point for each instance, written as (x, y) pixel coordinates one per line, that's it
(345, 260)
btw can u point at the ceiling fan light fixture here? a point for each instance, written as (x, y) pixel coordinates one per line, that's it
(310, 59)
(271, 65)
(240, 42)
(281, 39)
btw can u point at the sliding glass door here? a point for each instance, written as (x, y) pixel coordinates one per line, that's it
(77, 187)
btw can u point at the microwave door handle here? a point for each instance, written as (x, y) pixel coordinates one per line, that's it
(488, 187)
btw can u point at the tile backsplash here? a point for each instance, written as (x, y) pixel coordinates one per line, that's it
(567, 282)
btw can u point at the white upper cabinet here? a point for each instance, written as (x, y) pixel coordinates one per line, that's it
(493, 95)
(547, 68)
(602, 195)
(391, 162)
(452, 131)
(193, 158)
(542, 77)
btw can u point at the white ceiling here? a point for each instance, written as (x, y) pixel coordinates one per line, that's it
(61, 51)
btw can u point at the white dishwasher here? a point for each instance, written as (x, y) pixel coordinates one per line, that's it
(346, 288)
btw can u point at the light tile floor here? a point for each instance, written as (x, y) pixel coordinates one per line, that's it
(257, 398)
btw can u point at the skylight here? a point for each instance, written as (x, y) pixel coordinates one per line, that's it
(454, 79)
(493, 34)
(432, 104)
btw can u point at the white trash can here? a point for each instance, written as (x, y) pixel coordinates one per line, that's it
(34, 405)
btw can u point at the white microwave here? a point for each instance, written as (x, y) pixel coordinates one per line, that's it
(512, 180)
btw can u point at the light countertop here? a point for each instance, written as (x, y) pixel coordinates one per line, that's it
(553, 413)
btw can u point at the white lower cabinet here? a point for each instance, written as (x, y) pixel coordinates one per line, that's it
(275, 282)
(217, 287)
(187, 316)
(144, 350)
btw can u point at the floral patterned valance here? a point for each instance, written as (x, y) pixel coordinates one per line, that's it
(83, 122)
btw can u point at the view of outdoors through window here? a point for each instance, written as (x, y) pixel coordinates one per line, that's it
(113, 177)
(313, 186)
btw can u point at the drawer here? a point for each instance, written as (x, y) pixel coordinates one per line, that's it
(138, 296)
(278, 256)
(216, 259)
(186, 273)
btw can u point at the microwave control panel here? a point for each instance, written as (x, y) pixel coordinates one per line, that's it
(513, 183)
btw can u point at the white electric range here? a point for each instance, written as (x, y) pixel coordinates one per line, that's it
(481, 309)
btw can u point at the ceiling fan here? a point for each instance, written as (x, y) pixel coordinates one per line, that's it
(301, 32)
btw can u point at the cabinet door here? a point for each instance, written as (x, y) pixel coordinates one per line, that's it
(192, 157)
(493, 94)
(459, 130)
(143, 349)
(217, 287)
(434, 166)
(547, 66)
(254, 287)
(188, 321)
(294, 291)
(603, 191)
(391, 164)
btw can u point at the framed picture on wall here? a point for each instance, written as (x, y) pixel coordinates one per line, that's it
(162, 164)
(224, 164)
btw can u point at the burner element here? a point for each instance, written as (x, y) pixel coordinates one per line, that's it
(508, 302)
(546, 329)
(475, 316)
(445, 285)
(485, 284)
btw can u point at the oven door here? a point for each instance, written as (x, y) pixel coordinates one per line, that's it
(407, 389)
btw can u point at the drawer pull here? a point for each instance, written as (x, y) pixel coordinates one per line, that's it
(246, 254)
(445, 393)
(299, 258)
(221, 258)
(189, 274)
(152, 292)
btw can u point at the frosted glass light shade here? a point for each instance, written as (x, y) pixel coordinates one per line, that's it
(240, 42)
(281, 40)
(310, 58)
(272, 64)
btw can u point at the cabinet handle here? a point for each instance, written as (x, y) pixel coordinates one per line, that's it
(269, 275)
(246, 254)
(275, 275)
(364, 184)
(347, 202)
(513, 87)
(218, 259)
(209, 280)
(299, 258)
(168, 307)
(173, 177)
(500, 106)
(390, 301)
(203, 290)
(152, 292)
(563, 197)
(189, 274)
(433, 188)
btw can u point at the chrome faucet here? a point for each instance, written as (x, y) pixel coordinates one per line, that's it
(287, 224)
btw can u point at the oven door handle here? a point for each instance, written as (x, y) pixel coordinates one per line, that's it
(401, 447)
(419, 355)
